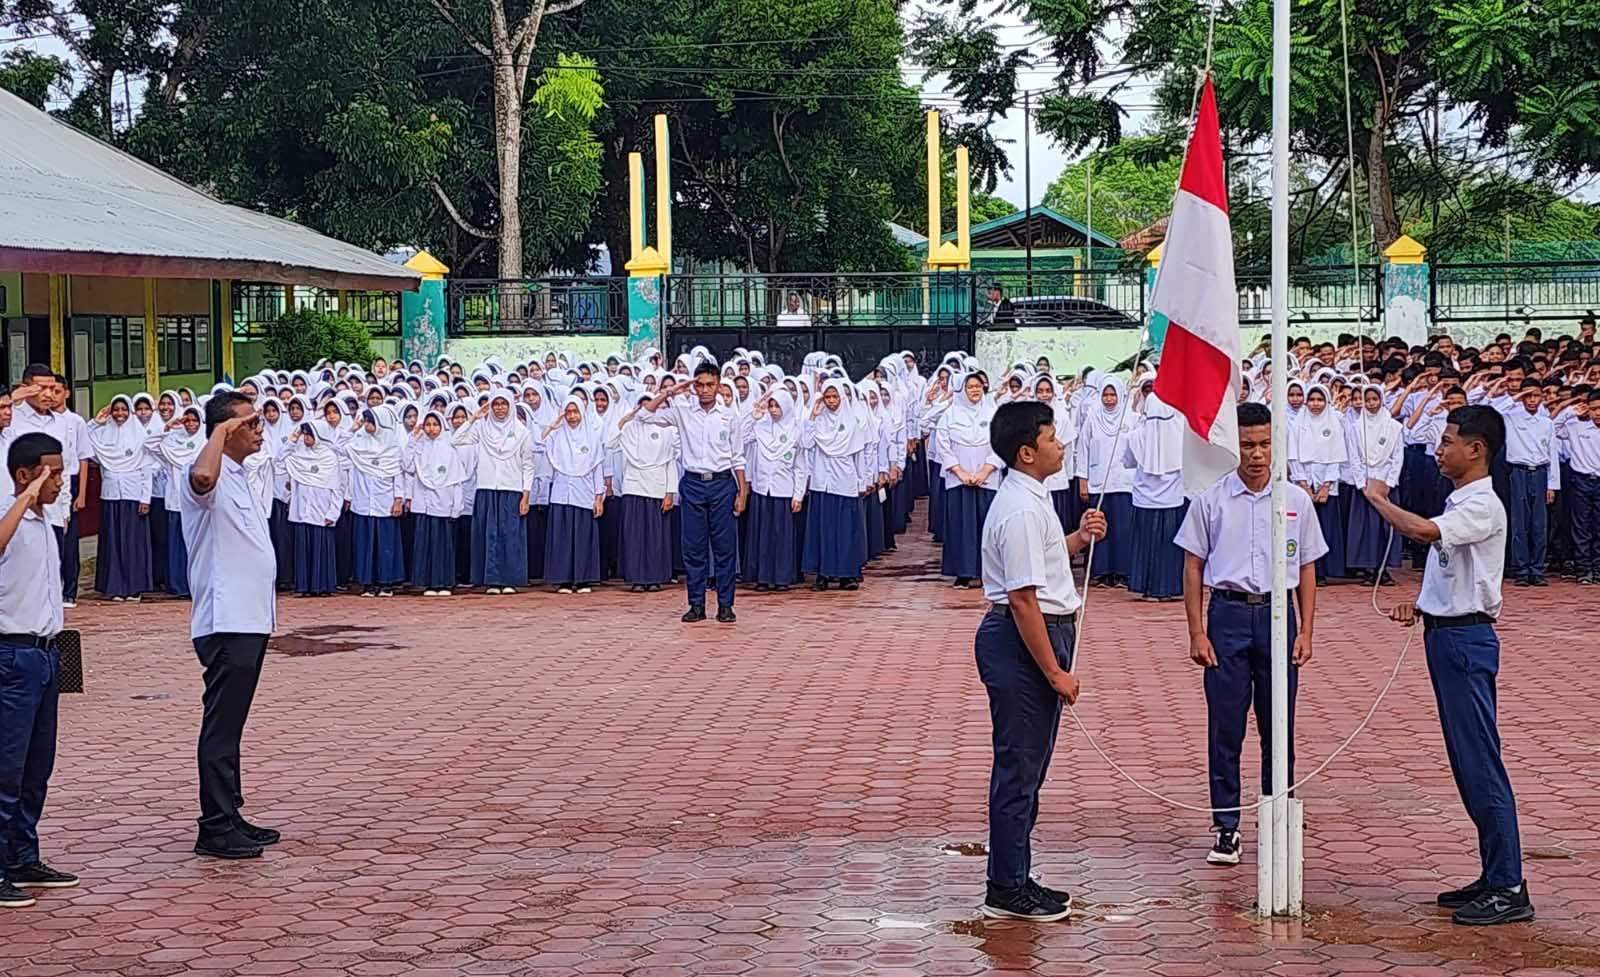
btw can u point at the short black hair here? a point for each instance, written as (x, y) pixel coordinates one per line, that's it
(220, 407)
(1016, 424)
(34, 371)
(706, 366)
(27, 449)
(1254, 415)
(1480, 423)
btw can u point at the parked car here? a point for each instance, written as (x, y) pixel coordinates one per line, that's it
(1069, 310)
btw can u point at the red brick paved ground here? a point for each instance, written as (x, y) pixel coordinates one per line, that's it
(527, 785)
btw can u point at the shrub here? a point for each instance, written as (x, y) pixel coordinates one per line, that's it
(298, 339)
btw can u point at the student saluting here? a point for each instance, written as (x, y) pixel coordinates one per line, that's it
(1459, 602)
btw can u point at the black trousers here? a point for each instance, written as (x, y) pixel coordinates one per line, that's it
(67, 539)
(233, 669)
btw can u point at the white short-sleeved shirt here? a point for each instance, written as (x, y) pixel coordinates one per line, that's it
(30, 577)
(1230, 528)
(1466, 566)
(233, 570)
(711, 440)
(1025, 546)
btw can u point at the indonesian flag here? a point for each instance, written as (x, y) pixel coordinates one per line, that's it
(1199, 375)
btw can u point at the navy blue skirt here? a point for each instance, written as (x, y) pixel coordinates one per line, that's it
(464, 549)
(772, 559)
(917, 471)
(408, 542)
(122, 567)
(1113, 556)
(1068, 509)
(315, 562)
(177, 552)
(872, 511)
(500, 540)
(966, 508)
(572, 546)
(611, 538)
(936, 494)
(1366, 537)
(647, 556)
(158, 543)
(433, 552)
(538, 524)
(344, 547)
(282, 542)
(836, 536)
(376, 558)
(1330, 518)
(1157, 560)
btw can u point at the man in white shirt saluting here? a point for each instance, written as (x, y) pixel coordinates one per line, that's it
(1458, 605)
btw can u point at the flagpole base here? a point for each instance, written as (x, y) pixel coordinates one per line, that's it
(1280, 864)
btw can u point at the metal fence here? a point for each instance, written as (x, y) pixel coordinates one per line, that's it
(256, 305)
(1502, 294)
(537, 306)
(1318, 295)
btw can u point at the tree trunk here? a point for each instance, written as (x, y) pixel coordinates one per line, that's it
(508, 156)
(614, 218)
(1380, 184)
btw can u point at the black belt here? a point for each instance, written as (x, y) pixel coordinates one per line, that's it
(1431, 622)
(28, 641)
(1529, 468)
(1241, 597)
(710, 476)
(1004, 610)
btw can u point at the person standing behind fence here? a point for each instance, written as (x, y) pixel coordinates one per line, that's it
(233, 574)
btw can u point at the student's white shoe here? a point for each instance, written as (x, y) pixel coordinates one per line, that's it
(508, 590)
(117, 600)
(441, 593)
(430, 593)
(68, 604)
(133, 600)
(493, 590)
(385, 593)
(585, 590)
(564, 590)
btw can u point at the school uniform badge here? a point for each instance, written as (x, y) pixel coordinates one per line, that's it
(1292, 548)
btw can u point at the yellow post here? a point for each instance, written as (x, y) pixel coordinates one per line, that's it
(225, 326)
(1406, 250)
(58, 324)
(935, 223)
(963, 214)
(152, 358)
(663, 191)
(635, 205)
(344, 301)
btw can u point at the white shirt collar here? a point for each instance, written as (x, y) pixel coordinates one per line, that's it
(1475, 487)
(1033, 485)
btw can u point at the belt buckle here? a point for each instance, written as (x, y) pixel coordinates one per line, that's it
(705, 476)
(1256, 600)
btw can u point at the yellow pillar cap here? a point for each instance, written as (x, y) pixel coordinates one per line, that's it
(647, 264)
(1406, 250)
(1154, 257)
(429, 267)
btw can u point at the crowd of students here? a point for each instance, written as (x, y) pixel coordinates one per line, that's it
(393, 477)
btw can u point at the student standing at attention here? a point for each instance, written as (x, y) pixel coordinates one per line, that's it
(1458, 605)
(1024, 648)
(30, 668)
(1227, 535)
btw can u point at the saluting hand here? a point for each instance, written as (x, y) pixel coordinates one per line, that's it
(31, 492)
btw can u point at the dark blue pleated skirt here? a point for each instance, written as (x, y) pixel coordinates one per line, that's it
(344, 547)
(282, 542)
(1366, 537)
(315, 562)
(1157, 560)
(936, 493)
(376, 558)
(1068, 509)
(572, 546)
(917, 471)
(1330, 519)
(538, 525)
(122, 568)
(433, 552)
(464, 549)
(408, 542)
(836, 536)
(1414, 485)
(611, 539)
(647, 556)
(177, 552)
(500, 540)
(158, 542)
(965, 510)
(901, 500)
(1113, 556)
(872, 511)
(774, 535)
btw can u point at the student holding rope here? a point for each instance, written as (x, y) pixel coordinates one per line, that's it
(1458, 604)
(1024, 648)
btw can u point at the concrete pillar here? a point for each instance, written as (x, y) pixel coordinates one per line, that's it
(1405, 290)
(1156, 323)
(422, 313)
(646, 294)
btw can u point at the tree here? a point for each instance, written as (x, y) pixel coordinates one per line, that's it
(1133, 184)
(32, 77)
(107, 41)
(988, 207)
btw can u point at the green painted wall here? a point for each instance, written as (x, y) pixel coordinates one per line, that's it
(104, 390)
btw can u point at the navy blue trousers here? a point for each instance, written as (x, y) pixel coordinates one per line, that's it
(232, 663)
(377, 556)
(1583, 515)
(1463, 663)
(1241, 635)
(67, 538)
(1025, 713)
(708, 536)
(177, 552)
(29, 692)
(1529, 520)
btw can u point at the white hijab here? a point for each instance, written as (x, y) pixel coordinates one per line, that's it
(1107, 421)
(1157, 438)
(504, 440)
(376, 455)
(837, 432)
(775, 439)
(178, 447)
(968, 422)
(315, 465)
(1377, 434)
(437, 462)
(1317, 439)
(119, 447)
(645, 445)
(574, 450)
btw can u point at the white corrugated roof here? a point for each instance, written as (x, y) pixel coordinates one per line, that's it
(70, 203)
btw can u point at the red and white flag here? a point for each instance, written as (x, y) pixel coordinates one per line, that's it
(1199, 375)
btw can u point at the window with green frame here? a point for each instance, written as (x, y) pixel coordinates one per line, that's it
(118, 345)
(185, 345)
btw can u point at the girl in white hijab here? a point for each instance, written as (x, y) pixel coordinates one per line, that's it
(276, 428)
(1063, 499)
(971, 476)
(1374, 443)
(777, 467)
(1155, 449)
(1317, 452)
(117, 437)
(836, 529)
(647, 482)
(1105, 480)
(174, 448)
(437, 475)
(316, 500)
(377, 498)
(577, 498)
(504, 485)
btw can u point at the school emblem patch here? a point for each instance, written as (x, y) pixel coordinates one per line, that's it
(788, 456)
(441, 469)
(782, 438)
(583, 449)
(313, 469)
(655, 435)
(1292, 547)
(1327, 432)
(1444, 558)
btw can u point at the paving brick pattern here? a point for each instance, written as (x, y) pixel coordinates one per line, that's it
(558, 786)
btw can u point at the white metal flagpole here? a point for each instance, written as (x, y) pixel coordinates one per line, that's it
(1276, 902)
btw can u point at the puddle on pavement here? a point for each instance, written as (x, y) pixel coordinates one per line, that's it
(1533, 946)
(319, 640)
(1549, 851)
(965, 848)
(151, 696)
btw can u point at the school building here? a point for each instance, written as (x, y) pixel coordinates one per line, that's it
(123, 278)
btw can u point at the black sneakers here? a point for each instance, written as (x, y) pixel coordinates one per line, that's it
(37, 875)
(1226, 850)
(726, 615)
(1057, 895)
(1456, 898)
(1494, 907)
(696, 612)
(1027, 901)
(12, 897)
(259, 835)
(230, 844)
